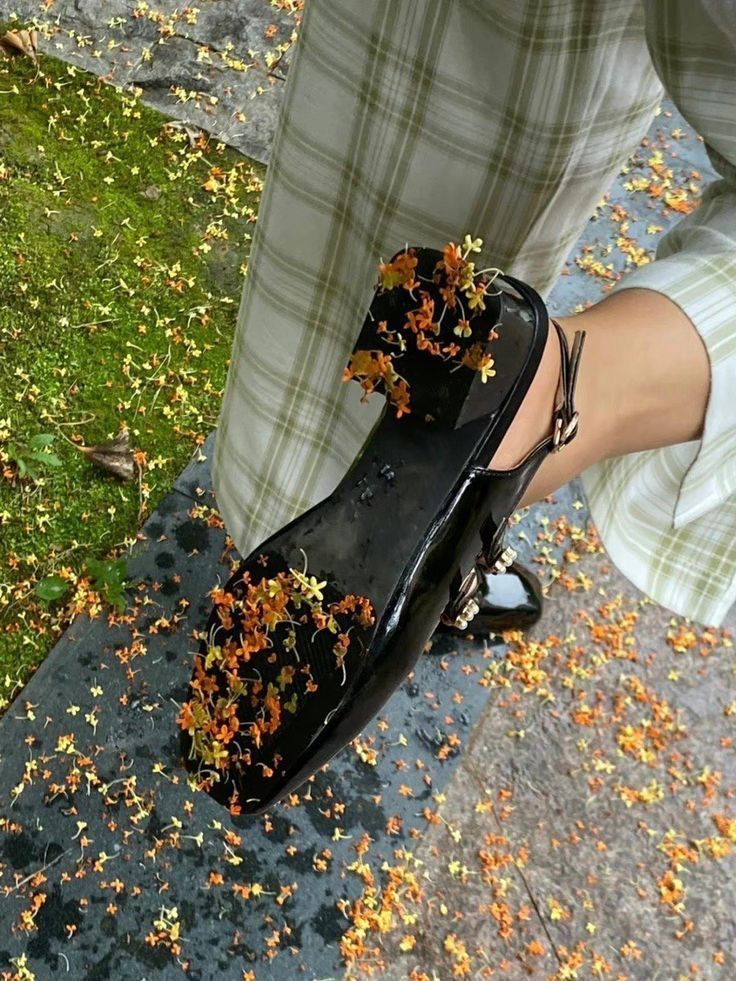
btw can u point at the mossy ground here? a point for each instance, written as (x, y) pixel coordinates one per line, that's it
(123, 242)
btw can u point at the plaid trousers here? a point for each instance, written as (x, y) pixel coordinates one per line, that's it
(416, 121)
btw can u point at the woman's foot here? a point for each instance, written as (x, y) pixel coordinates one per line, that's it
(643, 384)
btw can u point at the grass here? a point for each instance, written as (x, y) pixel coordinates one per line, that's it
(123, 242)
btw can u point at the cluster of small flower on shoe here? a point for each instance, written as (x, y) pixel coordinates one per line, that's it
(457, 279)
(229, 682)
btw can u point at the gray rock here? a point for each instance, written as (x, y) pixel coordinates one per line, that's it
(214, 69)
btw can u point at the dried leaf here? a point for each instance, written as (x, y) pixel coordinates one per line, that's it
(115, 457)
(20, 43)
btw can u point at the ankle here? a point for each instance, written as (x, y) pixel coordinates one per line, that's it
(533, 421)
(606, 411)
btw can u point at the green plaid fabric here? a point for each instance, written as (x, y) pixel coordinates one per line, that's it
(416, 122)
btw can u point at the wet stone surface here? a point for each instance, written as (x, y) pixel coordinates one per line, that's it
(113, 866)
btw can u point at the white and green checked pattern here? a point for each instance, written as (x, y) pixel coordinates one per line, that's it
(419, 120)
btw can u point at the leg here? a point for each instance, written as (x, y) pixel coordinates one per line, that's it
(643, 384)
(404, 123)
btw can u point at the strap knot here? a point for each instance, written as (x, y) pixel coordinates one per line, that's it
(565, 416)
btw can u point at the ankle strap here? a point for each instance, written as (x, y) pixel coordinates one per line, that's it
(565, 417)
(495, 557)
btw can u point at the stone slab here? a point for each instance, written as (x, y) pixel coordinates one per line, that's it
(97, 817)
(603, 832)
(195, 480)
(212, 66)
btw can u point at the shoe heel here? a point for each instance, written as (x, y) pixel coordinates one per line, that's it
(442, 342)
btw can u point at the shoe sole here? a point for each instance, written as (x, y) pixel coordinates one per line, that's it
(402, 529)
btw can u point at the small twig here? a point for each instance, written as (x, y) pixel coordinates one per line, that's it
(141, 504)
(94, 323)
(74, 422)
(42, 869)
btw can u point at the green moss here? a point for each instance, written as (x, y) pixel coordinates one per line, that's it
(121, 257)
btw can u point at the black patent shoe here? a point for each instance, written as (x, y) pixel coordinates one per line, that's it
(512, 601)
(322, 622)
